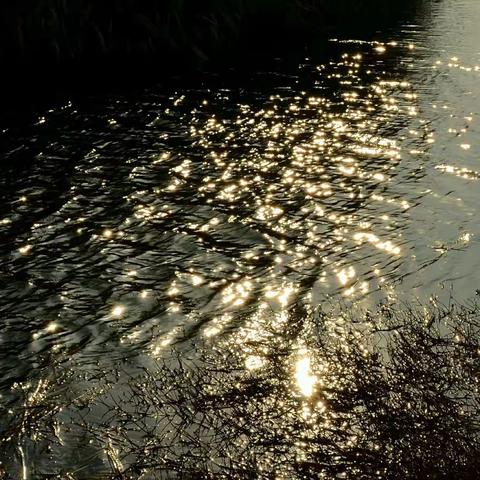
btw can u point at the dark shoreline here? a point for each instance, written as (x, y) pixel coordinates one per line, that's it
(48, 45)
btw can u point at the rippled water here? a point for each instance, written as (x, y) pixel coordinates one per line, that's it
(198, 212)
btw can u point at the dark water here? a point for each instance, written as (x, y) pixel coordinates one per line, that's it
(201, 212)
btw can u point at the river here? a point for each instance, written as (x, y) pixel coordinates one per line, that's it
(193, 213)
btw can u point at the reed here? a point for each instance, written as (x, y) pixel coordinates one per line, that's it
(61, 31)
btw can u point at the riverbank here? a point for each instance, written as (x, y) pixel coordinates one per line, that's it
(55, 41)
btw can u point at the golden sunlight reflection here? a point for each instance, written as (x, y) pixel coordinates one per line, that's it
(52, 327)
(298, 194)
(254, 362)
(118, 311)
(173, 291)
(281, 295)
(197, 280)
(236, 294)
(387, 245)
(160, 343)
(303, 374)
(267, 212)
(346, 275)
(460, 172)
(25, 249)
(465, 237)
(217, 325)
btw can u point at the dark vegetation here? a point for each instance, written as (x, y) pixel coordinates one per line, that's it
(397, 397)
(42, 36)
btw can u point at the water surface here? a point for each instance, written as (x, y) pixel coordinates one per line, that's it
(200, 210)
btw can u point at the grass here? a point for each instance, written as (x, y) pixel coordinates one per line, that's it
(396, 397)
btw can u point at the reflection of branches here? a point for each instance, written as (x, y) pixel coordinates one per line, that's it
(396, 396)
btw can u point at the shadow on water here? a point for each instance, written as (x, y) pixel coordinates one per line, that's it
(387, 394)
(41, 41)
(53, 50)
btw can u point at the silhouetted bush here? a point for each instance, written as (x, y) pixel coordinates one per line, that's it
(395, 396)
